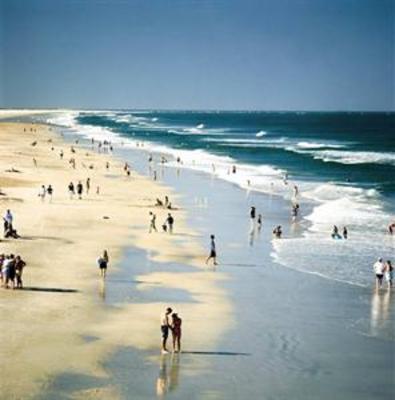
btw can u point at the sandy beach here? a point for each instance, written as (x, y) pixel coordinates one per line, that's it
(60, 242)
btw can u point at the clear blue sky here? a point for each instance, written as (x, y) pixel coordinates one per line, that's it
(198, 54)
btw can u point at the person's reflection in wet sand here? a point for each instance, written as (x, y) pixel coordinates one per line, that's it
(251, 236)
(102, 290)
(168, 379)
(379, 314)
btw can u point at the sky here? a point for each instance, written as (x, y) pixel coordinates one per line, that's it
(198, 54)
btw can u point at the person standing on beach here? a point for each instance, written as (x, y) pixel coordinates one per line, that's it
(50, 192)
(252, 217)
(102, 263)
(71, 190)
(345, 233)
(379, 268)
(170, 222)
(152, 225)
(80, 189)
(88, 185)
(176, 323)
(19, 265)
(164, 327)
(42, 192)
(213, 252)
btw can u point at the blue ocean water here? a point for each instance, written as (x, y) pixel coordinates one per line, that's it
(356, 148)
(343, 165)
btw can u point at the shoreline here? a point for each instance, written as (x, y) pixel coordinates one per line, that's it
(66, 261)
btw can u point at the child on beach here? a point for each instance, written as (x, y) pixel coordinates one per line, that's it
(389, 272)
(102, 263)
(152, 226)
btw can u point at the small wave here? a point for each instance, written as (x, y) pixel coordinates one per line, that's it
(355, 157)
(261, 133)
(315, 145)
(200, 126)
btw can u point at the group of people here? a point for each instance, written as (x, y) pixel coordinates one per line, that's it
(44, 192)
(255, 221)
(11, 270)
(167, 225)
(383, 270)
(336, 235)
(77, 189)
(170, 321)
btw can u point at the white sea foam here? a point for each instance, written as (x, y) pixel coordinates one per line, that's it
(315, 145)
(261, 133)
(355, 157)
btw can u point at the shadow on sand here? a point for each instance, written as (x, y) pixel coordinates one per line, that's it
(52, 290)
(215, 353)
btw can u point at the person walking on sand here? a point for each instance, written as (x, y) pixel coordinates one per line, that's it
(71, 190)
(88, 185)
(41, 193)
(50, 192)
(152, 226)
(213, 252)
(80, 189)
(176, 322)
(252, 217)
(345, 233)
(102, 263)
(164, 327)
(378, 268)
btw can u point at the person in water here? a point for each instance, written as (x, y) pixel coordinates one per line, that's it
(345, 233)
(335, 233)
(277, 232)
(389, 273)
(379, 268)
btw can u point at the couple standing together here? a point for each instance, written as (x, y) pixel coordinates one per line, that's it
(171, 321)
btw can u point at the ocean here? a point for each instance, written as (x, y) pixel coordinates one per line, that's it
(343, 165)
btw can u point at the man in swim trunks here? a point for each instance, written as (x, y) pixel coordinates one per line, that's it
(164, 327)
(379, 268)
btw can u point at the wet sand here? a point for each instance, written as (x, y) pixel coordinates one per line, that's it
(47, 323)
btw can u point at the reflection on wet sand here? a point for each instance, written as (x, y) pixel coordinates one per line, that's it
(168, 378)
(379, 314)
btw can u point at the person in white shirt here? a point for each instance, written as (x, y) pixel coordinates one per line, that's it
(379, 268)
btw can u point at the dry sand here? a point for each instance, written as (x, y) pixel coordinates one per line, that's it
(42, 331)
